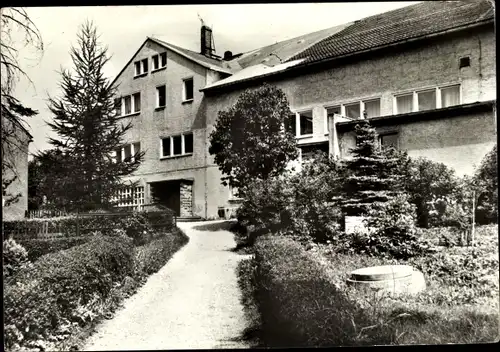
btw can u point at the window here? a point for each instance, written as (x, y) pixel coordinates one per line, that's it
(118, 106)
(426, 100)
(130, 104)
(306, 123)
(127, 152)
(188, 90)
(404, 103)
(159, 61)
(450, 96)
(353, 110)
(464, 62)
(434, 98)
(188, 143)
(233, 191)
(177, 145)
(372, 108)
(127, 101)
(161, 98)
(141, 67)
(389, 140)
(329, 112)
(290, 124)
(131, 197)
(137, 102)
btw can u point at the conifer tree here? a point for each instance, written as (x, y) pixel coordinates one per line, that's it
(88, 128)
(374, 174)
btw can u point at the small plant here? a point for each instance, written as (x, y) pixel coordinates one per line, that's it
(15, 256)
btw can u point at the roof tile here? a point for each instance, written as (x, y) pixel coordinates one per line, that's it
(398, 25)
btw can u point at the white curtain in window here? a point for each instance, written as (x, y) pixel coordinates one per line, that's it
(450, 96)
(404, 104)
(128, 105)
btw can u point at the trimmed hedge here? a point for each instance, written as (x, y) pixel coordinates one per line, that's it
(151, 257)
(59, 289)
(38, 247)
(303, 301)
(299, 304)
(138, 225)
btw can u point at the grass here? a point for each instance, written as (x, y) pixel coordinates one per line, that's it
(298, 297)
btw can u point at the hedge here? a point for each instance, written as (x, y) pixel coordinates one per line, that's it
(60, 289)
(136, 224)
(38, 247)
(303, 301)
(152, 256)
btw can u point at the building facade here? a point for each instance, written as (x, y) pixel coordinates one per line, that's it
(424, 74)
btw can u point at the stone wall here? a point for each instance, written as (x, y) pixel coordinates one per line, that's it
(186, 199)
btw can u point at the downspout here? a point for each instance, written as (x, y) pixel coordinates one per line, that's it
(206, 169)
(480, 59)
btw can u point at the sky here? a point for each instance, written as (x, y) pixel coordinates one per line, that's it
(236, 27)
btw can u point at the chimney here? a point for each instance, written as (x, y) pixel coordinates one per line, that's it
(206, 41)
(228, 55)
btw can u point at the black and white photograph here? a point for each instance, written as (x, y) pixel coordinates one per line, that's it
(249, 175)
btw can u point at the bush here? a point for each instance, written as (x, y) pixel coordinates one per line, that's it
(427, 181)
(297, 205)
(298, 302)
(391, 232)
(140, 226)
(151, 257)
(15, 256)
(486, 178)
(303, 300)
(38, 247)
(61, 289)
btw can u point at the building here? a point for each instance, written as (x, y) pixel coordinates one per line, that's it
(423, 74)
(15, 146)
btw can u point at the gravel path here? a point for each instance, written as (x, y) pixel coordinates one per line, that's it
(191, 303)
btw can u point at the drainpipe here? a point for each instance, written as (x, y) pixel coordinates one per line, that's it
(206, 171)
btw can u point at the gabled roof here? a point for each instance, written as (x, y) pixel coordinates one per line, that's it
(387, 29)
(270, 55)
(399, 25)
(202, 60)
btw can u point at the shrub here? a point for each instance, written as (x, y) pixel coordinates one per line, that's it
(460, 305)
(299, 205)
(141, 226)
(299, 303)
(60, 287)
(15, 256)
(38, 247)
(392, 232)
(151, 257)
(426, 182)
(486, 178)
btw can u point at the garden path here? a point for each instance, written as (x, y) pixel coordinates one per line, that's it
(193, 302)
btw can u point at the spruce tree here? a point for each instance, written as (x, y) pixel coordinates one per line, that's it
(374, 174)
(88, 128)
